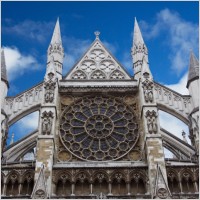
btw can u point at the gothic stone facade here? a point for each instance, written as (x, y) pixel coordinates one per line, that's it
(99, 134)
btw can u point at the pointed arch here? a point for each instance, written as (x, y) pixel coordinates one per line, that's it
(79, 74)
(117, 75)
(98, 74)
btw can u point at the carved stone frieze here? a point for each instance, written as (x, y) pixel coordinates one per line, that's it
(40, 194)
(152, 122)
(162, 193)
(47, 120)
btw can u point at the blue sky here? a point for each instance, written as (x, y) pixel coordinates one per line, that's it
(170, 30)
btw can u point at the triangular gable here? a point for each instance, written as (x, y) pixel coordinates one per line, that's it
(39, 190)
(161, 189)
(97, 64)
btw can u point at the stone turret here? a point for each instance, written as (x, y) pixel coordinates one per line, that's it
(4, 78)
(193, 87)
(139, 51)
(4, 90)
(193, 79)
(55, 53)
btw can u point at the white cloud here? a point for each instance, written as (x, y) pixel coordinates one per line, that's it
(28, 123)
(34, 30)
(173, 125)
(127, 62)
(180, 87)
(17, 63)
(110, 47)
(74, 49)
(168, 154)
(179, 34)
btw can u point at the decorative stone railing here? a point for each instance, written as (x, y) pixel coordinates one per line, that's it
(24, 103)
(172, 102)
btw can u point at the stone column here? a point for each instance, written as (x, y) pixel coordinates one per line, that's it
(53, 189)
(128, 188)
(91, 188)
(19, 188)
(180, 186)
(196, 186)
(73, 189)
(4, 189)
(109, 188)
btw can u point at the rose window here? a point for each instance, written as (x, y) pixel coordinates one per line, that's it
(98, 128)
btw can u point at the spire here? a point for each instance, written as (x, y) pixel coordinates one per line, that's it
(3, 67)
(193, 68)
(56, 51)
(56, 38)
(145, 69)
(139, 51)
(137, 34)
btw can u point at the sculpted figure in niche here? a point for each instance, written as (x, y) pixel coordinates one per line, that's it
(49, 92)
(47, 123)
(148, 93)
(151, 122)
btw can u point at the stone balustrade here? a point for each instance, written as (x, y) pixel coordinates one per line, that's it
(24, 103)
(172, 102)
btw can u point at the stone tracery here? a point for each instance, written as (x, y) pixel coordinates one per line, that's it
(93, 128)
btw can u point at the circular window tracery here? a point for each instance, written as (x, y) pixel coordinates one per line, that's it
(98, 128)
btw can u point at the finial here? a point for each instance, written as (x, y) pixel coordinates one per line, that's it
(97, 33)
(184, 136)
(12, 139)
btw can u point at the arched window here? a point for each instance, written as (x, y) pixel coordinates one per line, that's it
(12, 188)
(63, 188)
(82, 188)
(187, 184)
(27, 187)
(100, 187)
(173, 185)
(141, 187)
(119, 187)
(133, 187)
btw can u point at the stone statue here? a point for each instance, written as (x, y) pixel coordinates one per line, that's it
(47, 123)
(49, 92)
(151, 122)
(148, 91)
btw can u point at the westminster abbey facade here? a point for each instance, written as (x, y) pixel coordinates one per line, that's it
(99, 135)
